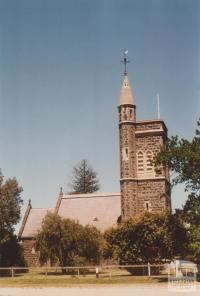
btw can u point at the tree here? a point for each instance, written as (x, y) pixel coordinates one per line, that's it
(84, 179)
(10, 206)
(12, 253)
(183, 158)
(191, 210)
(190, 214)
(190, 217)
(148, 238)
(194, 246)
(67, 243)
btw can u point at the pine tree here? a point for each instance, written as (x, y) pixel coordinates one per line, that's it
(84, 179)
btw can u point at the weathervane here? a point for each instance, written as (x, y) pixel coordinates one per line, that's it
(125, 61)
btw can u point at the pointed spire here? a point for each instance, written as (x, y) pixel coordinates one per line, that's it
(126, 96)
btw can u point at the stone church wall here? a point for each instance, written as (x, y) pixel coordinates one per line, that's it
(129, 200)
(149, 142)
(30, 255)
(127, 146)
(143, 187)
(153, 143)
(151, 125)
(152, 195)
(144, 195)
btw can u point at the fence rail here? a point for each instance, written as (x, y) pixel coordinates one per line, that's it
(149, 270)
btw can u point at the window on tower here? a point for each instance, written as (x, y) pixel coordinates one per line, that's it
(145, 166)
(125, 153)
(124, 115)
(140, 162)
(149, 159)
(131, 113)
(147, 206)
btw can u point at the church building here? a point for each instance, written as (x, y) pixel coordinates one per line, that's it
(143, 187)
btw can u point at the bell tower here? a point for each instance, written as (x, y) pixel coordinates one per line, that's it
(127, 126)
(143, 187)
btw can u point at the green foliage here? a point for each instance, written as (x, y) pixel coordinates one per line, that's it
(12, 253)
(183, 158)
(190, 215)
(194, 246)
(191, 210)
(91, 242)
(84, 179)
(10, 206)
(148, 238)
(67, 243)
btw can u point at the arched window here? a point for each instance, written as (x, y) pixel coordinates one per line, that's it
(145, 166)
(125, 113)
(149, 159)
(140, 162)
(131, 113)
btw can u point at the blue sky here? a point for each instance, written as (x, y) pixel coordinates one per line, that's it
(60, 77)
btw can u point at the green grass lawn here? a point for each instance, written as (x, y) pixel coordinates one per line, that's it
(41, 280)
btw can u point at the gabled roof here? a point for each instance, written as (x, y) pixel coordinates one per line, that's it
(100, 210)
(33, 222)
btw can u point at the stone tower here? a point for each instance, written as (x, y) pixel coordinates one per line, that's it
(143, 187)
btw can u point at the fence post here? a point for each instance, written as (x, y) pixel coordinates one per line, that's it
(176, 266)
(78, 273)
(97, 272)
(12, 272)
(149, 270)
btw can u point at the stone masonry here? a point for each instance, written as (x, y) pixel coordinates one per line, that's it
(30, 255)
(143, 187)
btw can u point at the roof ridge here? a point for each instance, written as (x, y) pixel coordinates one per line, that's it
(42, 209)
(88, 195)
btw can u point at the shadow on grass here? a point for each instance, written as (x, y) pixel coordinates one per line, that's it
(161, 279)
